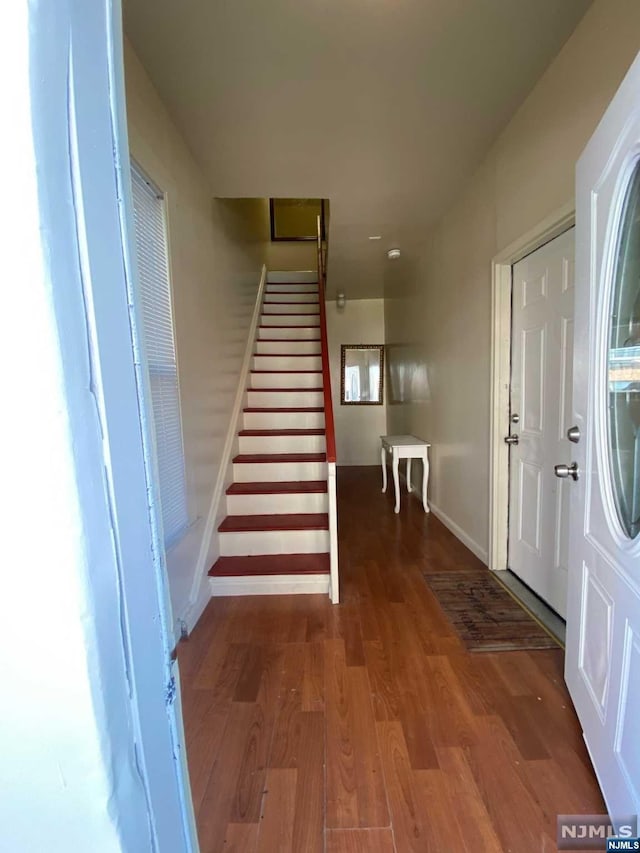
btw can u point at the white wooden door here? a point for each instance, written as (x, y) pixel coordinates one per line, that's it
(541, 379)
(602, 666)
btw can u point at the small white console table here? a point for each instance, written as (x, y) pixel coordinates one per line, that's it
(405, 447)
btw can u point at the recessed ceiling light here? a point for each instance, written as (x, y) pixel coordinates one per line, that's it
(378, 237)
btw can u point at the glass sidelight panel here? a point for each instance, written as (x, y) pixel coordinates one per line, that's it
(624, 365)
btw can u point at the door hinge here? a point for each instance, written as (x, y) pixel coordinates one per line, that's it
(170, 692)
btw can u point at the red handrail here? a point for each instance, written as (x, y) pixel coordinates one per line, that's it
(326, 375)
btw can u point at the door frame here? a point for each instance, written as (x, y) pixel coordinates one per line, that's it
(79, 159)
(501, 285)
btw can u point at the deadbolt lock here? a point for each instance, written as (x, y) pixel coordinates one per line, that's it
(573, 434)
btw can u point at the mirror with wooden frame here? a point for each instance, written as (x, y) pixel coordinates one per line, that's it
(362, 374)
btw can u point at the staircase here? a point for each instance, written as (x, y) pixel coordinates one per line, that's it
(277, 536)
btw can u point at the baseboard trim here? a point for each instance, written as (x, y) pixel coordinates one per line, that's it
(196, 608)
(459, 533)
(270, 585)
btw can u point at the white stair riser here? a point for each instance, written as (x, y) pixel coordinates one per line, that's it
(278, 472)
(292, 277)
(256, 542)
(282, 444)
(291, 308)
(277, 504)
(290, 332)
(286, 380)
(297, 298)
(287, 362)
(291, 348)
(285, 399)
(292, 290)
(290, 320)
(283, 420)
(270, 585)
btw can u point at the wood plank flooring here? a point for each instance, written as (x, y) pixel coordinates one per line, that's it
(367, 727)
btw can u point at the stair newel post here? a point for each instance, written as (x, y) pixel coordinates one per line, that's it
(334, 588)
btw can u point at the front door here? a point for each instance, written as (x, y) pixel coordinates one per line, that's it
(603, 623)
(541, 365)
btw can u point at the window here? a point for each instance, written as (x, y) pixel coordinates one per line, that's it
(154, 297)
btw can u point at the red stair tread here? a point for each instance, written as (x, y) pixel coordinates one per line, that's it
(286, 355)
(302, 521)
(286, 389)
(271, 564)
(292, 487)
(270, 432)
(288, 340)
(286, 371)
(288, 302)
(280, 457)
(285, 409)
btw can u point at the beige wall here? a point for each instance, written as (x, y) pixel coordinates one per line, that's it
(438, 302)
(358, 428)
(217, 248)
(300, 255)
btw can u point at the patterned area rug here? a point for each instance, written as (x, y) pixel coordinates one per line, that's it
(485, 615)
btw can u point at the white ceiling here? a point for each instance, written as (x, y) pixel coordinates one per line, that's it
(383, 106)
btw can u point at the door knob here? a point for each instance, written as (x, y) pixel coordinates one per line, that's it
(512, 439)
(564, 471)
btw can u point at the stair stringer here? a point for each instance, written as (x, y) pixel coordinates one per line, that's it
(210, 546)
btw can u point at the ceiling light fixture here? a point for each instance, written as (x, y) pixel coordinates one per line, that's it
(393, 254)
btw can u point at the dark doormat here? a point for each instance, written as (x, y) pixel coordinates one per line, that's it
(485, 615)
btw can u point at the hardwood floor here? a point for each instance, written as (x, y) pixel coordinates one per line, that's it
(366, 727)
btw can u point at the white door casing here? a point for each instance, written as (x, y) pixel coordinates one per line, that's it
(541, 379)
(602, 665)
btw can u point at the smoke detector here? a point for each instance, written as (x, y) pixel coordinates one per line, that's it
(393, 254)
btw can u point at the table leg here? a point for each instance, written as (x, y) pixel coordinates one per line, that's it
(408, 473)
(383, 459)
(396, 482)
(425, 479)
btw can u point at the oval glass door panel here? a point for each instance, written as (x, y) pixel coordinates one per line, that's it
(624, 365)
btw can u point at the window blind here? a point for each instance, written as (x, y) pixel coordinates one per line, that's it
(154, 298)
